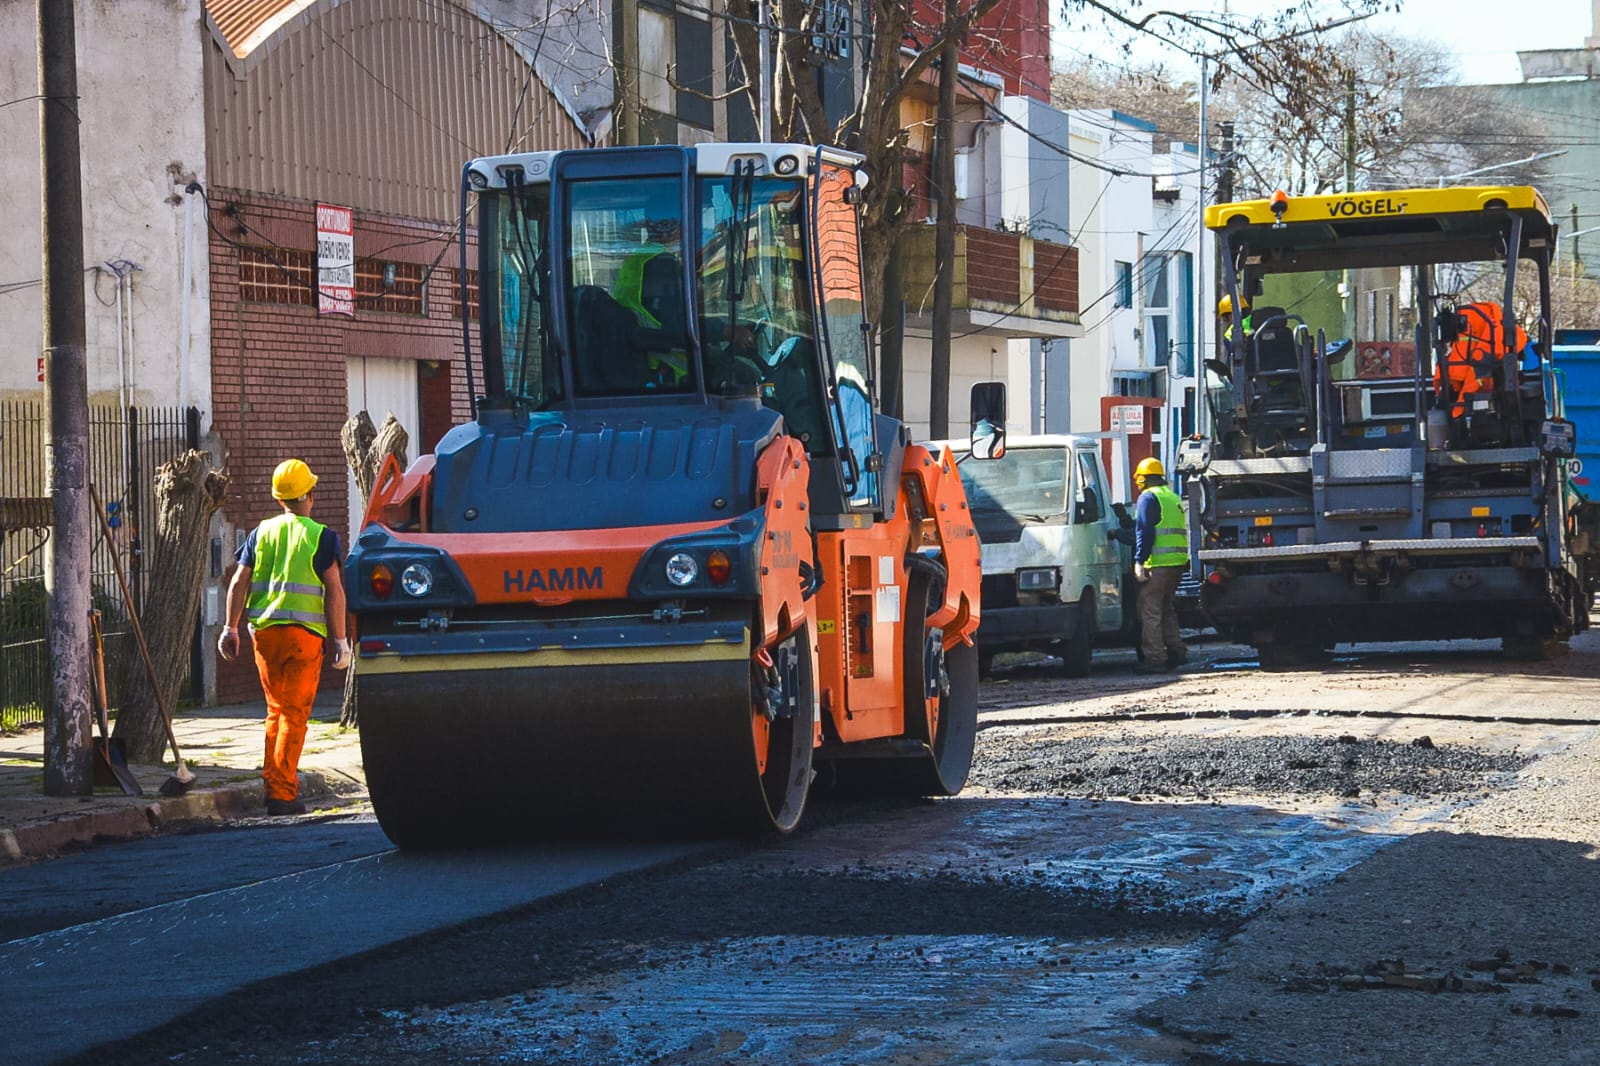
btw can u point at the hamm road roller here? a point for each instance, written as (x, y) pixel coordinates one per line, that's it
(678, 567)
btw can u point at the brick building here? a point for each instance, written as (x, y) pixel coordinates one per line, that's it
(370, 105)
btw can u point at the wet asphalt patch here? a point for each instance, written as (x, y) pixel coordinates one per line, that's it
(1117, 764)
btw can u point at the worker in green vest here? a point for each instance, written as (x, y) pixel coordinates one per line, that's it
(1160, 556)
(650, 285)
(288, 583)
(1225, 316)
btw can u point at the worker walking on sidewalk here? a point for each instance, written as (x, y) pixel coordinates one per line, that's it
(288, 583)
(1160, 556)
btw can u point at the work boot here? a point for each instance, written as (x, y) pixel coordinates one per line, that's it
(293, 806)
(1176, 658)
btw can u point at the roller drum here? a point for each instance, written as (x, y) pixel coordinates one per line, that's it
(457, 751)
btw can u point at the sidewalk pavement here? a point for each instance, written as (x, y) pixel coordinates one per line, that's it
(221, 745)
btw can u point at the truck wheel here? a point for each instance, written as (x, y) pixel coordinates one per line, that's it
(1077, 651)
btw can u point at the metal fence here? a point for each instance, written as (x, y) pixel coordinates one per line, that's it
(126, 445)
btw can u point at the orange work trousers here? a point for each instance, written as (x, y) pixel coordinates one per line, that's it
(289, 658)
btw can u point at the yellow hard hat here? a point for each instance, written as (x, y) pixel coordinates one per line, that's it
(292, 480)
(1225, 305)
(1150, 466)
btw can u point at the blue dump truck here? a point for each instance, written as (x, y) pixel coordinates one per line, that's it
(1577, 362)
(1397, 465)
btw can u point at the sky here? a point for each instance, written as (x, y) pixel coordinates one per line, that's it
(1477, 31)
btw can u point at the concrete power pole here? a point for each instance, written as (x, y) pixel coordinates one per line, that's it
(944, 244)
(68, 751)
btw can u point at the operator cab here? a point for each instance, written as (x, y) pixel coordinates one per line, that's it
(717, 278)
(1382, 321)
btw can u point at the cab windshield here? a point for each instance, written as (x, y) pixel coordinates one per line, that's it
(625, 284)
(1024, 482)
(755, 305)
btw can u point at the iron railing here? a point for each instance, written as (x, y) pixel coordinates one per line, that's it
(126, 445)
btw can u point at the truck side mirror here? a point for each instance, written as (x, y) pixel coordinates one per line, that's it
(988, 420)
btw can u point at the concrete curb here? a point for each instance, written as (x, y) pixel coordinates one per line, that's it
(226, 803)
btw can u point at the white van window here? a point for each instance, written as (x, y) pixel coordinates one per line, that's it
(1089, 495)
(1029, 482)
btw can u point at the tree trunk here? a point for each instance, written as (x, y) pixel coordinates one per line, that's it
(188, 493)
(365, 449)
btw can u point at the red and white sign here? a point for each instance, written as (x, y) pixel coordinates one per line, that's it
(1128, 418)
(336, 261)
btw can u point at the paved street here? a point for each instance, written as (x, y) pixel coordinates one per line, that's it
(1229, 864)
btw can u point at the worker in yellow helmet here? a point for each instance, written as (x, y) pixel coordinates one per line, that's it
(1225, 313)
(1160, 556)
(288, 582)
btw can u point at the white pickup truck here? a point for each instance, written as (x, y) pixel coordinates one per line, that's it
(1052, 578)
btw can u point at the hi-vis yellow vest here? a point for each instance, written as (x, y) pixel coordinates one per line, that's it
(285, 587)
(1172, 535)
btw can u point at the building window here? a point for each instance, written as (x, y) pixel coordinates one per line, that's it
(1157, 316)
(275, 276)
(1124, 297)
(657, 48)
(832, 36)
(1155, 281)
(691, 69)
(1133, 383)
(384, 285)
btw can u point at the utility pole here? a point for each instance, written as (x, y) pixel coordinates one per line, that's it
(764, 50)
(1225, 167)
(625, 39)
(1347, 278)
(1202, 292)
(944, 244)
(68, 751)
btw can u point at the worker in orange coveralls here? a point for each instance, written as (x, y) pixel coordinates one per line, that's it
(288, 582)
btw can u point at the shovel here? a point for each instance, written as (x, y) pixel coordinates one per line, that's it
(110, 753)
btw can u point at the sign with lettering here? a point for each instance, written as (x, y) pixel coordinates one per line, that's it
(1129, 418)
(336, 261)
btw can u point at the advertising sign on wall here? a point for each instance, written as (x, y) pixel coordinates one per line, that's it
(1128, 419)
(336, 261)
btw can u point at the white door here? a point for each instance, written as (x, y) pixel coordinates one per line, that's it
(379, 387)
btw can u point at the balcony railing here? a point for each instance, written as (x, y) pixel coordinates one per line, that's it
(1005, 282)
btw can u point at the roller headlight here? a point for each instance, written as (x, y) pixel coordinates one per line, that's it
(417, 580)
(682, 569)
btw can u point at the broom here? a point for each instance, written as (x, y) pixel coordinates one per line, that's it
(182, 779)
